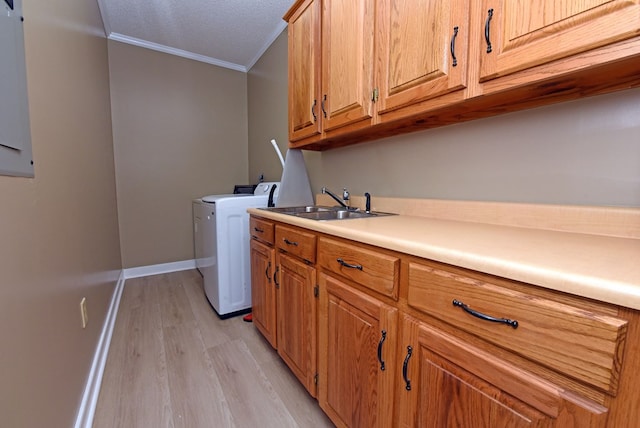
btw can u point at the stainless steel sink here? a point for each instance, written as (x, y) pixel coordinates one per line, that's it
(326, 213)
(301, 210)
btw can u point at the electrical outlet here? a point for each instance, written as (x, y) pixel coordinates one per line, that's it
(83, 312)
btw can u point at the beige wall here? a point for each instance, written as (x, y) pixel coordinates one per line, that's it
(267, 83)
(585, 152)
(180, 132)
(267, 89)
(59, 231)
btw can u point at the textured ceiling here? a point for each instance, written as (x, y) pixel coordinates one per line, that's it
(229, 33)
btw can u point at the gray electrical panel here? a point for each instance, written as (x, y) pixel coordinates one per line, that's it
(15, 134)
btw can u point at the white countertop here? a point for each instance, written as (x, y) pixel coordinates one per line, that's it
(599, 267)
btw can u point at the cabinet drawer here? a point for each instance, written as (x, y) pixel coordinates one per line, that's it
(579, 342)
(296, 242)
(369, 268)
(261, 229)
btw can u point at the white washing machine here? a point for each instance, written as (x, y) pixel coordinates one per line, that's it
(221, 240)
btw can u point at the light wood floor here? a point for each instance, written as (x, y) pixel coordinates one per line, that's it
(174, 363)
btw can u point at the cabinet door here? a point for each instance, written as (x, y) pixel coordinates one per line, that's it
(263, 291)
(422, 50)
(347, 62)
(357, 356)
(522, 34)
(297, 312)
(304, 71)
(449, 383)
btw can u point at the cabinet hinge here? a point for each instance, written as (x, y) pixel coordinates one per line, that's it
(374, 95)
(316, 291)
(315, 379)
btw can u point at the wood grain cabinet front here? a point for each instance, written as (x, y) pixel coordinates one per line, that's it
(371, 268)
(297, 318)
(520, 35)
(330, 68)
(422, 54)
(297, 242)
(385, 339)
(357, 350)
(263, 265)
(578, 342)
(263, 290)
(446, 382)
(305, 120)
(261, 229)
(367, 69)
(295, 280)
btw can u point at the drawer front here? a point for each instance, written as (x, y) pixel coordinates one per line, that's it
(580, 343)
(369, 268)
(296, 242)
(261, 229)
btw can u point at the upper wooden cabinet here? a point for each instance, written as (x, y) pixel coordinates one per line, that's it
(330, 67)
(347, 62)
(422, 50)
(304, 70)
(368, 69)
(519, 35)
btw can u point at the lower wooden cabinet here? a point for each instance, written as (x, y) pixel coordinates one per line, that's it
(263, 290)
(357, 348)
(393, 340)
(447, 382)
(295, 281)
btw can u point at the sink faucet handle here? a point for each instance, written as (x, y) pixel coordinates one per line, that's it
(367, 205)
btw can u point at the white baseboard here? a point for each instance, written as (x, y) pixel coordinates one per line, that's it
(137, 272)
(92, 388)
(94, 381)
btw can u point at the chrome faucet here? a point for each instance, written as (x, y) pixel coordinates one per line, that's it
(344, 202)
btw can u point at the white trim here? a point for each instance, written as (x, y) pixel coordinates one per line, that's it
(137, 272)
(94, 381)
(105, 19)
(267, 44)
(173, 51)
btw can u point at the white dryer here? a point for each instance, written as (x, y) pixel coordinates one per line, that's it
(221, 238)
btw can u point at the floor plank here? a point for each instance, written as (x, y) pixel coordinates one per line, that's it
(136, 372)
(197, 398)
(251, 397)
(174, 363)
